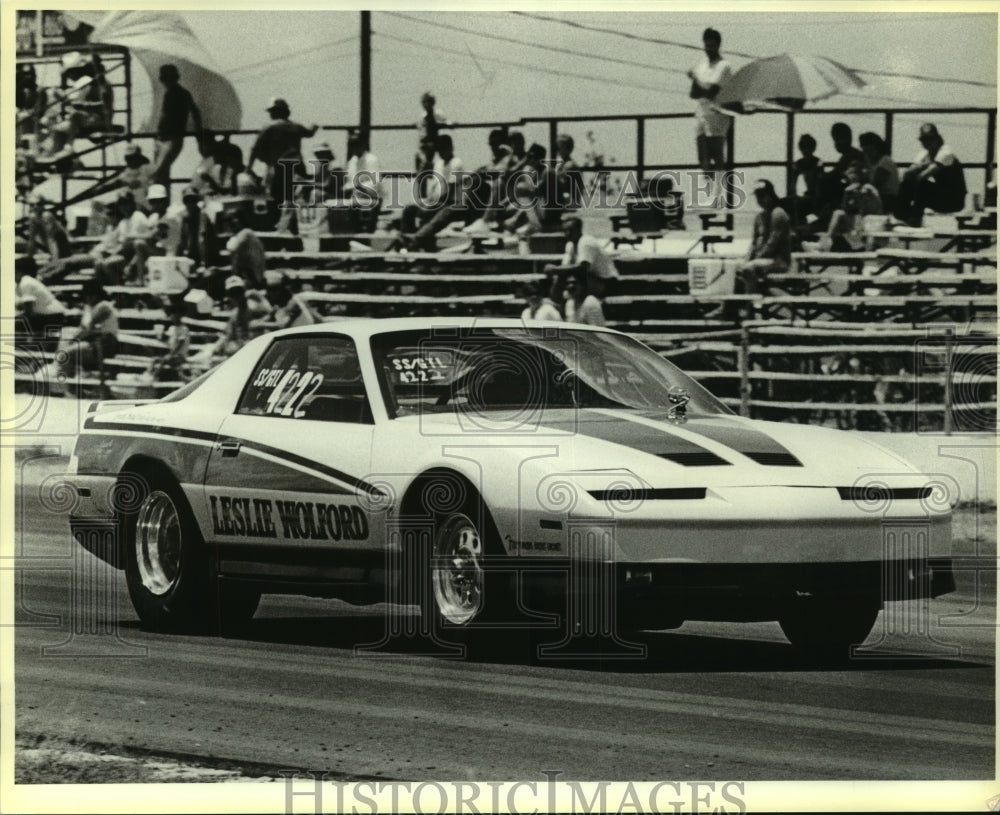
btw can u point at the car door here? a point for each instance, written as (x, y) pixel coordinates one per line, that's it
(285, 485)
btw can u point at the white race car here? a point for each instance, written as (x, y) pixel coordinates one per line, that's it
(482, 468)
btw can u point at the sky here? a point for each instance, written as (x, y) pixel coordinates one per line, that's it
(486, 66)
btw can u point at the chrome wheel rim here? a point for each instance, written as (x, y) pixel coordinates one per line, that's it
(158, 543)
(457, 571)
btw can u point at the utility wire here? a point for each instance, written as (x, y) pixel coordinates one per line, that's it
(692, 47)
(545, 47)
(523, 65)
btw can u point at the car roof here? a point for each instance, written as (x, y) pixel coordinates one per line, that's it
(363, 328)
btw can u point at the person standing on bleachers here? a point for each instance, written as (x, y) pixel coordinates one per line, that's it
(708, 77)
(429, 124)
(172, 128)
(198, 238)
(237, 330)
(934, 181)
(280, 144)
(585, 255)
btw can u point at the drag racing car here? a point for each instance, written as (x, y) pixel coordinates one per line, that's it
(490, 471)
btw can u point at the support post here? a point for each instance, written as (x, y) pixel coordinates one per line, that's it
(366, 74)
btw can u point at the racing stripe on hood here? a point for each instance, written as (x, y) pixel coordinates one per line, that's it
(745, 440)
(618, 429)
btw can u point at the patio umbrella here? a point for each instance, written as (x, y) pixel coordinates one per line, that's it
(789, 80)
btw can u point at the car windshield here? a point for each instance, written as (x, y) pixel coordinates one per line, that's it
(484, 369)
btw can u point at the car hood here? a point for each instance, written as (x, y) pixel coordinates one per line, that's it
(704, 450)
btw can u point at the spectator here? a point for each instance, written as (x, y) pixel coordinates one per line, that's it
(37, 307)
(528, 180)
(429, 125)
(178, 106)
(569, 179)
(425, 168)
(934, 181)
(97, 339)
(287, 308)
(585, 256)
(770, 247)
(198, 239)
(808, 169)
(88, 103)
(144, 237)
(711, 125)
(115, 255)
(216, 173)
(237, 330)
(46, 233)
(884, 175)
(170, 366)
(247, 252)
(334, 176)
(421, 222)
(280, 141)
(581, 306)
(539, 306)
(833, 182)
(845, 233)
(137, 175)
(362, 184)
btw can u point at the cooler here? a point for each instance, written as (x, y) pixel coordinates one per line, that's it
(168, 275)
(710, 275)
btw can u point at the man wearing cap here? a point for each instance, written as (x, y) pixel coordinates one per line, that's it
(237, 330)
(584, 255)
(770, 247)
(178, 106)
(934, 181)
(280, 141)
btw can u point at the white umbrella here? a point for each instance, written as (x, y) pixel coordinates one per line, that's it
(788, 80)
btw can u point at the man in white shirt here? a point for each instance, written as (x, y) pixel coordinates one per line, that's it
(934, 181)
(362, 185)
(440, 203)
(37, 307)
(585, 255)
(711, 125)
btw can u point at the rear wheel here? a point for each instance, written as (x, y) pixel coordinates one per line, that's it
(168, 571)
(829, 626)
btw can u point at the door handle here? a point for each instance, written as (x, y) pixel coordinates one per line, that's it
(229, 448)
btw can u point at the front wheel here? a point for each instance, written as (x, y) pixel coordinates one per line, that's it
(828, 626)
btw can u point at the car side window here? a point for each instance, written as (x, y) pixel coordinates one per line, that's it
(311, 377)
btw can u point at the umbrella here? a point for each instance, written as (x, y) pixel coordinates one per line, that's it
(789, 80)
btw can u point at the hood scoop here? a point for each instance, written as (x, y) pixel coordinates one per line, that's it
(702, 458)
(774, 459)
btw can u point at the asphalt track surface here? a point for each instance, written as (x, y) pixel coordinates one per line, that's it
(708, 701)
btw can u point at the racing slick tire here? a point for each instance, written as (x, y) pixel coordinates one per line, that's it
(167, 565)
(827, 627)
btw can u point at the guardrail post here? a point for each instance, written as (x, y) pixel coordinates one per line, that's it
(949, 386)
(789, 154)
(743, 366)
(553, 138)
(888, 131)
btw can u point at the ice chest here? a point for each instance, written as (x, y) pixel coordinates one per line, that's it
(168, 275)
(711, 275)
